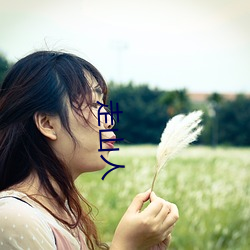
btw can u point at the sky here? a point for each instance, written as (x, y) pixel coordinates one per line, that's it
(200, 45)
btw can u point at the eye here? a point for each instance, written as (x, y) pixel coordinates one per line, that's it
(95, 105)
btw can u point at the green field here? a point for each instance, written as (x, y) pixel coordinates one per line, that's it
(211, 188)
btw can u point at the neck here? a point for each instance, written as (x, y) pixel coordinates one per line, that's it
(34, 189)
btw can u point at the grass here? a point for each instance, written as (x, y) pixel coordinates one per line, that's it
(211, 188)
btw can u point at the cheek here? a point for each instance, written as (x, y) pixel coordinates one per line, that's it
(92, 162)
(89, 124)
(63, 147)
(92, 118)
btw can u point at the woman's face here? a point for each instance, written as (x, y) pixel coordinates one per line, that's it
(84, 155)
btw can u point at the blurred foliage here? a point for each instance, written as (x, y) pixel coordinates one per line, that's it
(226, 122)
(234, 121)
(210, 187)
(4, 66)
(146, 111)
(143, 114)
(177, 101)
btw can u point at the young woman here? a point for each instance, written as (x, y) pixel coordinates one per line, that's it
(48, 137)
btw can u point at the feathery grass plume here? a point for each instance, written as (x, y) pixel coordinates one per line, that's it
(180, 131)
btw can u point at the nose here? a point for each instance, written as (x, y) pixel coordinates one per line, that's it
(107, 119)
(110, 122)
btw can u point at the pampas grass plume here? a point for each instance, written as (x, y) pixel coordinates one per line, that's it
(179, 132)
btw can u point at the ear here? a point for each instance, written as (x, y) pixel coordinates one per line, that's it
(46, 125)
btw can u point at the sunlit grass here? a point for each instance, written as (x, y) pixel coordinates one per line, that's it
(211, 188)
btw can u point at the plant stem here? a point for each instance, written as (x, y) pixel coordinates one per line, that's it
(153, 183)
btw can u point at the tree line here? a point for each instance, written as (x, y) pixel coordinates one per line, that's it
(146, 111)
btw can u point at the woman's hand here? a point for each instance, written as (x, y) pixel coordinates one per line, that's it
(163, 245)
(147, 229)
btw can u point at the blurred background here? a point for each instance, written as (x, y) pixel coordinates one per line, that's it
(173, 56)
(159, 58)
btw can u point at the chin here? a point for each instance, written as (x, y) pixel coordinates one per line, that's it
(95, 168)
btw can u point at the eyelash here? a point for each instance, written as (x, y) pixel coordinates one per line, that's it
(95, 105)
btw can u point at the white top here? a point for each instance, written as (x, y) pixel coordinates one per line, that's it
(29, 226)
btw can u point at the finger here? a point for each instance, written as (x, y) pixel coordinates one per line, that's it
(138, 201)
(169, 230)
(153, 196)
(154, 208)
(164, 212)
(154, 203)
(167, 240)
(172, 217)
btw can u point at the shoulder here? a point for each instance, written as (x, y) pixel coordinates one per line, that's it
(22, 227)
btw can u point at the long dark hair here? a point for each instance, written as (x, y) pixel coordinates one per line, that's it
(39, 83)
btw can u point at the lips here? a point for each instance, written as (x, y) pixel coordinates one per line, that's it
(111, 142)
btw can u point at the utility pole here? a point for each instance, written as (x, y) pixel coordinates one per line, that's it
(213, 113)
(119, 46)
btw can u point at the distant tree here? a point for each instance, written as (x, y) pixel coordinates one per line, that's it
(177, 101)
(234, 120)
(4, 65)
(215, 97)
(144, 117)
